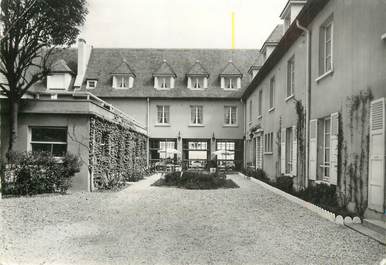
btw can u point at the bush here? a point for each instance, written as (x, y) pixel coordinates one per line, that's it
(284, 183)
(36, 173)
(256, 173)
(196, 180)
(320, 194)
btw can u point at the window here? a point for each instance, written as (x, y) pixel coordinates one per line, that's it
(196, 152)
(268, 143)
(290, 77)
(160, 149)
(57, 82)
(272, 93)
(49, 139)
(197, 83)
(260, 102)
(288, 150)
(91, 84)
(164, 82)
(196, 117)
(326, 148)
(123, 81)
(325, 46)
(230, 117)
(163, 114)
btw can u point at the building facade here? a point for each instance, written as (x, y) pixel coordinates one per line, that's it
(320, 113)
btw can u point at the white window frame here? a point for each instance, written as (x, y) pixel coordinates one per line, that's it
(290, 77)
(163, 83)
(325, 45)
(289, 149)
(88, 82)
(268, 143)
(196, 113)
(250, 111)
(199, 82)
(46, 142)
(231, 82)
(229, 110)
(260, 106)
(163, 114)
(326, 164)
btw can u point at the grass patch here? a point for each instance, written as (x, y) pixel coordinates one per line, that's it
(196, 181)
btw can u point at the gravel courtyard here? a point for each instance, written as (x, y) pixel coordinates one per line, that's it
(152, 225)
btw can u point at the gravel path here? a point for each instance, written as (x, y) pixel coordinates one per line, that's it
(152, 225)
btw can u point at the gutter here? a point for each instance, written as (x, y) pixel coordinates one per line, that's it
(307, 91)
(244, 132)
(148, 130)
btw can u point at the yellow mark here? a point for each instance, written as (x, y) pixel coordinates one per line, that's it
(233, 30)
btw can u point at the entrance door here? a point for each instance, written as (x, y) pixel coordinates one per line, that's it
(377, 155)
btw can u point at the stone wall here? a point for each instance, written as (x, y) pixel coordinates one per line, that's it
(117, 152)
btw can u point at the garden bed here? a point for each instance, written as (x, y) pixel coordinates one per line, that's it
(195, 180)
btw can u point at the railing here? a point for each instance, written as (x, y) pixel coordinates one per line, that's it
(89, 96)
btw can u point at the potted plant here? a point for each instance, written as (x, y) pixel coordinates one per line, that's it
(212, 164)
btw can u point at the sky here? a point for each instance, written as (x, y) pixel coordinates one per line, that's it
(180, 23)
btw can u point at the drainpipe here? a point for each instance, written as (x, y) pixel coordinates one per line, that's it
(307, 104)
(148, 131)
(244, 133)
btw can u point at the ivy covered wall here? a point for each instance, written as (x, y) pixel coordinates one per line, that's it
(117, 152)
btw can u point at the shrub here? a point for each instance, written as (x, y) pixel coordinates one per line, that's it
(196, 180)
(320, 194)
(38, 172)
(285, 183)
(256, 173)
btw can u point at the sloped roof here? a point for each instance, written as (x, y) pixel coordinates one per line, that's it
(146, 62)
(60, 66)
(275, 35)
(165, 70)
(123, 68)
(197, 69)
(257, 63)
(231, 69)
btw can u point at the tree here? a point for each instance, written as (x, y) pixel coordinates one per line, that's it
(32, 30)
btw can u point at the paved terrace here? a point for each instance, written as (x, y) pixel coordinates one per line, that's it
(151, 225)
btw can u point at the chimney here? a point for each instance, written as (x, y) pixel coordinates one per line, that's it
(84, 52)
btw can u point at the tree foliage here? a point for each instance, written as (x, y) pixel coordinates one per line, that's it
(32, 29)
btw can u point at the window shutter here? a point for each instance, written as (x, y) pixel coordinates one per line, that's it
(114, 82)
(222, 82)
(257, 143)
(377, 155)
(155, 82)
(131, 81)
(238, 82)
(334, 131)
(171, 82)
(189, 82)
(261, 150)
(294, 152)
(282, 151)
(313, 149)
(205, 82)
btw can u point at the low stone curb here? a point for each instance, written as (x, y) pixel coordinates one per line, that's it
(338, 219)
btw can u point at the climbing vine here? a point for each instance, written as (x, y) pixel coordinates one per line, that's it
(300, 137)
(355, 151)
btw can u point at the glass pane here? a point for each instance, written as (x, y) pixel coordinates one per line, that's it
(59, 149)
(197, 155)
(41, 148)
(44, 134)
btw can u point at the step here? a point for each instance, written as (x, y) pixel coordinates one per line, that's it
(376, 225)
(368, 232)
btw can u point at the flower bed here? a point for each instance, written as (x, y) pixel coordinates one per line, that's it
(321, 195)
(196, 180)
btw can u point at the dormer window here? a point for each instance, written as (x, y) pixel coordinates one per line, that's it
(60, 76)
(123, 76)
(164, 77)
(91, 84)
(197, 77)
(231, 77)
(123, 81)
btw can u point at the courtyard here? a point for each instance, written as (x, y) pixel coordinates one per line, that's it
(151, 225)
